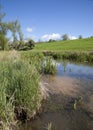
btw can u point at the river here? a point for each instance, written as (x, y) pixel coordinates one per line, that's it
(70, 102)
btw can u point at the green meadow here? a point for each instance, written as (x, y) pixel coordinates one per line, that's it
(68, 45)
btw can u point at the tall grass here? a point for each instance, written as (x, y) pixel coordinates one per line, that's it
(44, 65)
(6, 107)
(49, 66)
(35, 58)
(19, 89)
(74, 56)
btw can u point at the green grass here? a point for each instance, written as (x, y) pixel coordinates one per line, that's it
(70, 45)
(19, 88)
(42, 64)
(77, 56)
(49, 67)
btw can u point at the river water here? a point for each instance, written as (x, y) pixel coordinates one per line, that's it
(70, 102)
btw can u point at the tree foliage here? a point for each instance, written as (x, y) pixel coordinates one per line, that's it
(15, 28)
(3, 42)
(3, 31)
(30, 44)
(65, 37)
(80, 37)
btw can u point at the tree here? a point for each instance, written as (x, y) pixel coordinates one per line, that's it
(80, 37)
(65, 37)
(3, 31)
(30, 43)
(51, 40)
(3, 42)
(91, 36)
(15, 28)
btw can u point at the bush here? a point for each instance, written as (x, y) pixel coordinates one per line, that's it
(30, 43)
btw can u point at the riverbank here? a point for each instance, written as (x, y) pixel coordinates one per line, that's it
(21, 92)
(83, 56)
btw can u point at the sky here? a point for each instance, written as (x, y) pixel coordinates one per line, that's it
(50, 19)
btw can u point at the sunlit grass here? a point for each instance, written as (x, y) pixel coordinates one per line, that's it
(70, 45)
(19, 88)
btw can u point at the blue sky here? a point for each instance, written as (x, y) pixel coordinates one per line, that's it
(44, 19)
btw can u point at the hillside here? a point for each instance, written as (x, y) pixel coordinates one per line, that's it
(76, 45)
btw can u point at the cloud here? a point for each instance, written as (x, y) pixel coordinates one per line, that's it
(29, 30)
(30, 36)
(53, 36)
(72, 37)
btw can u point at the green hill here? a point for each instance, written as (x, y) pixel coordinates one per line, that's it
(76, 45)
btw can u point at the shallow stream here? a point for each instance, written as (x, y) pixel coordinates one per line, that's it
(70, 102)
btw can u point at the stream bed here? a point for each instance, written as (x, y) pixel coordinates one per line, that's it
(70, 102)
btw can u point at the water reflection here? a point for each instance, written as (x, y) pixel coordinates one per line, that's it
(74, 70)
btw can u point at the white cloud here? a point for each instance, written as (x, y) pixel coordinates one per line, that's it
(29, 30)
(53, 36)
(72, 37)
(30, 36)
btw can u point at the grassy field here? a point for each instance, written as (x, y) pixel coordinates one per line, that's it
(75, 45)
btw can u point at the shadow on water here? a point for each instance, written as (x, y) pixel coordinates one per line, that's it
(70, 104)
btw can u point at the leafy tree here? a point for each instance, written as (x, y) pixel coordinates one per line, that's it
(65, 37)
(15, 28)
(51, 40)
(91, 36)
(27, 46)
(12, 28)
(3, 31)
(80, 37)
(18, 29)
(3, 42)
(30, 43)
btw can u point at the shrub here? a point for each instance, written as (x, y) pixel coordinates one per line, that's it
(30, 43)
